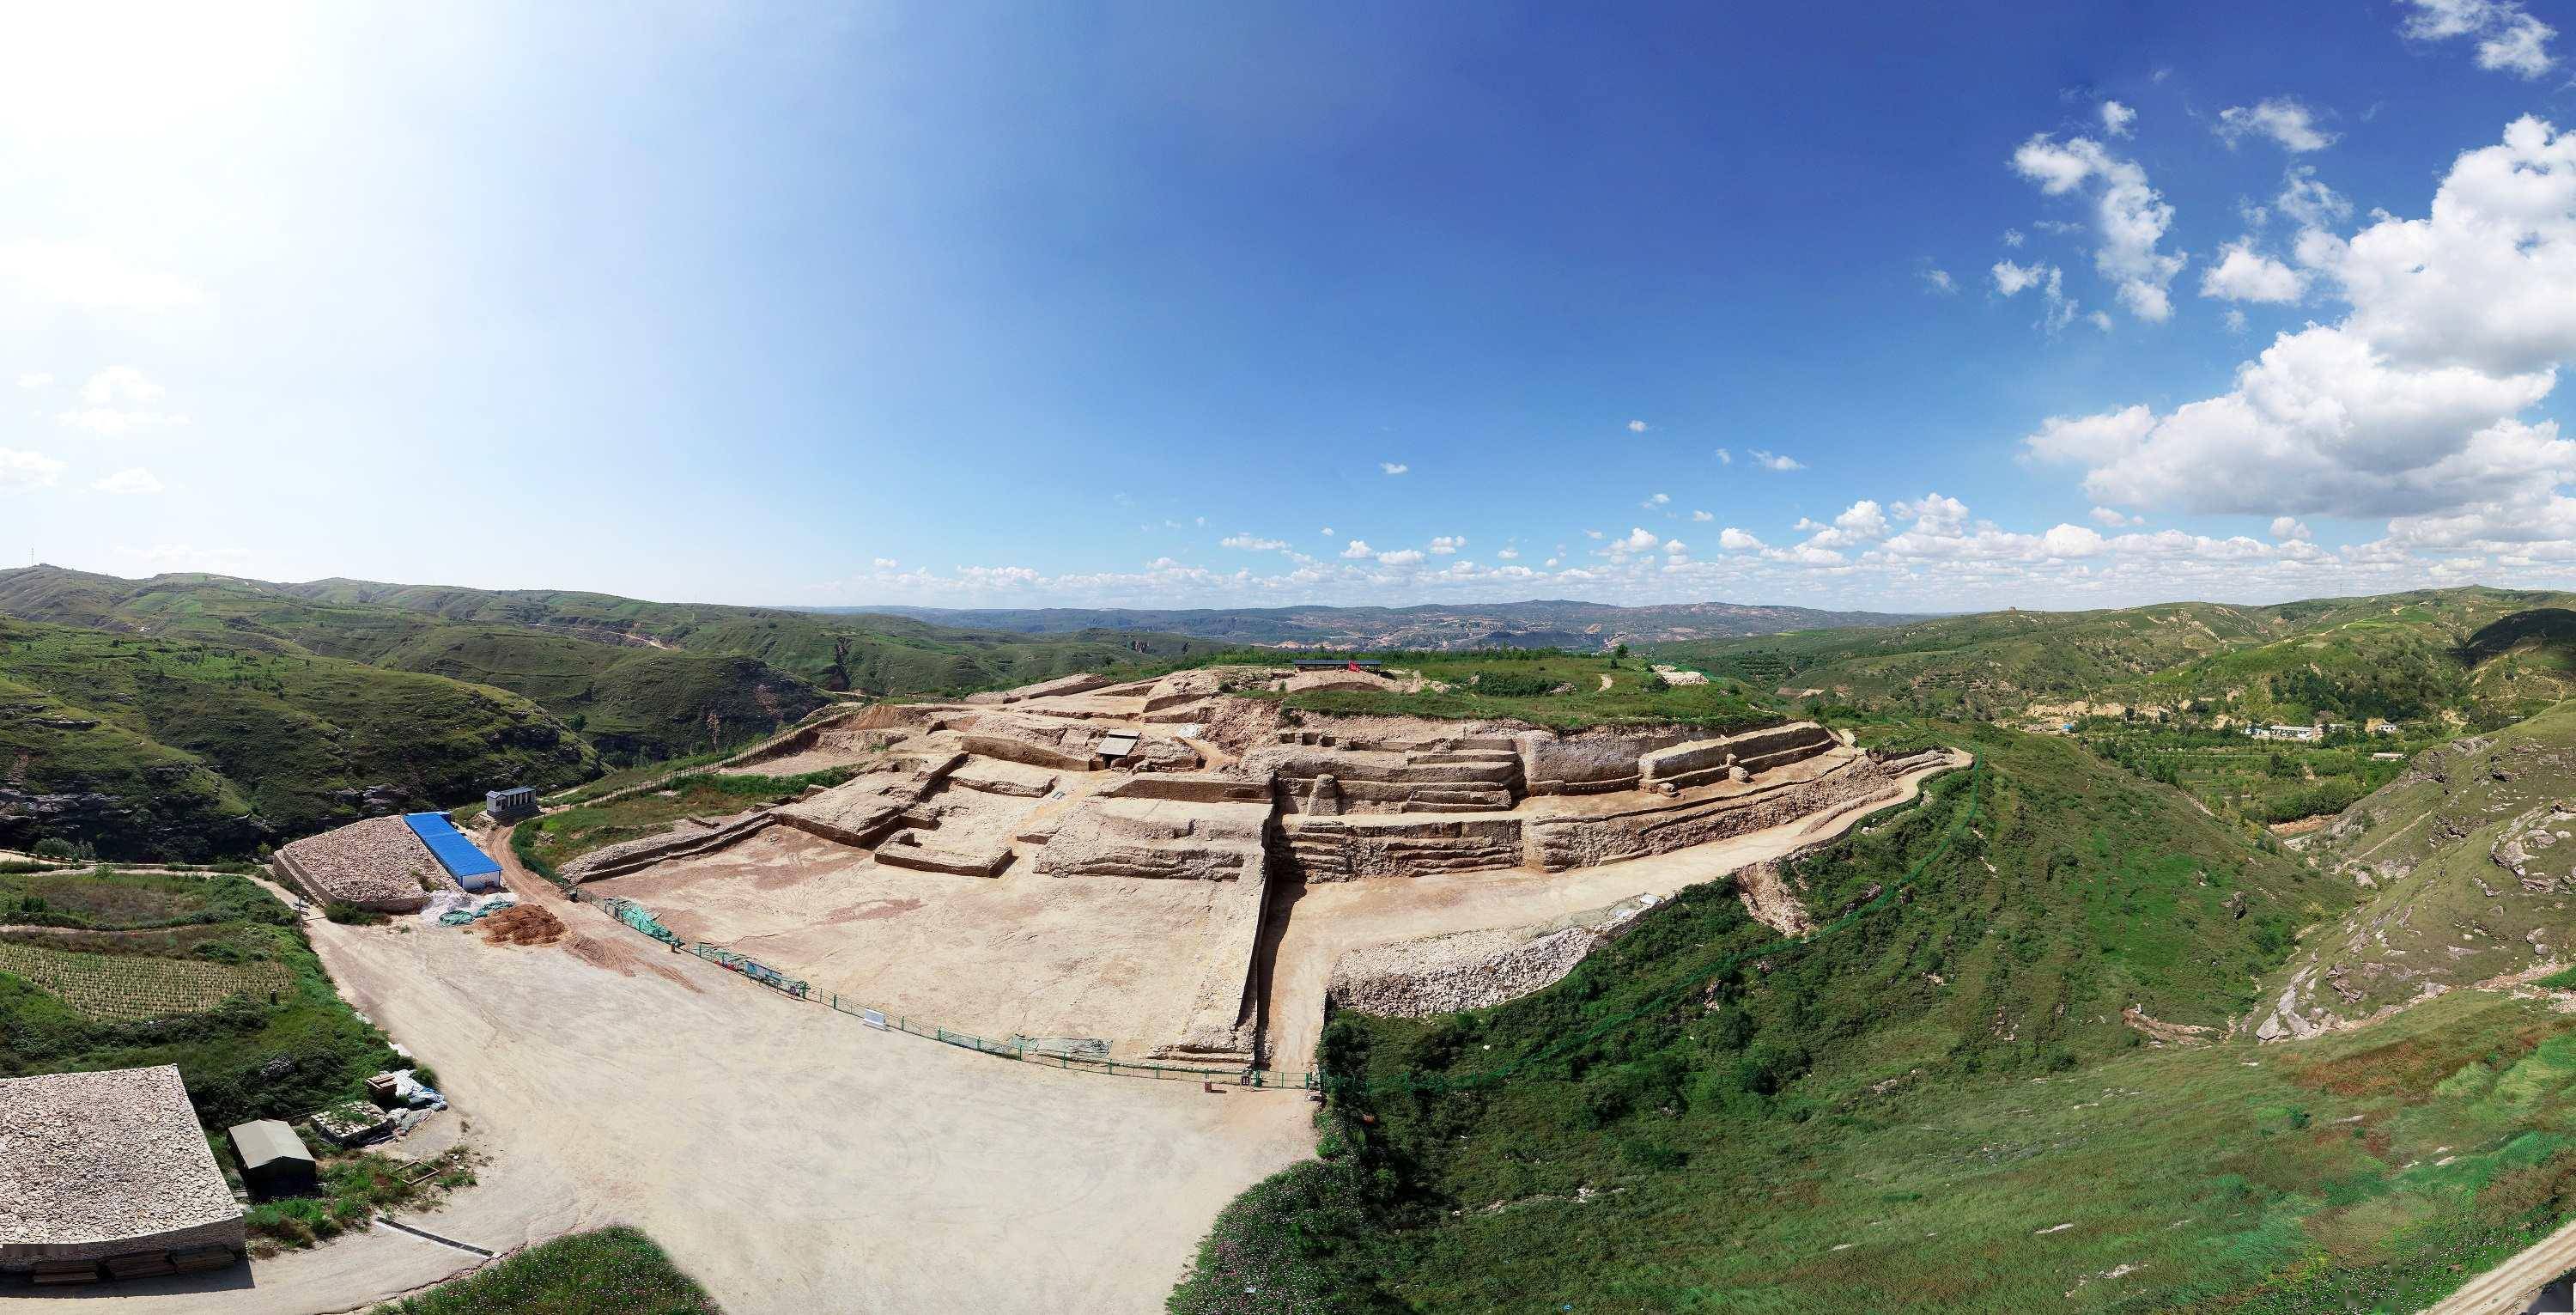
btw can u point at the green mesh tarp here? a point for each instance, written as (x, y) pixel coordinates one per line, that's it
(641, 919)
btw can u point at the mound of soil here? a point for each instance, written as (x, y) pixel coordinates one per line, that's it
(527, 924)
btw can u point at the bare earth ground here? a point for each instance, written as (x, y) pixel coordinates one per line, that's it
(789, 1157)
(1120, 960)
(1314, 925)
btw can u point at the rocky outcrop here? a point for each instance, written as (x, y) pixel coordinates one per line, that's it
(681, 841)
(865, 811)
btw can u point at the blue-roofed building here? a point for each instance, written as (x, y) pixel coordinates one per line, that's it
(471, 867)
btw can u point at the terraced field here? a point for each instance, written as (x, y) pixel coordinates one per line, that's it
(132, 986)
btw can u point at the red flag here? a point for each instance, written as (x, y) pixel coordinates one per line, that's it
(1355, 664)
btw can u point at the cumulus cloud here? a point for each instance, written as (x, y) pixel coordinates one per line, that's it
(1936, 279)
(2244, 274)
(2283, 119)
(119, 401)
(129, 482)
(1447, 544)
(2013, 237)
(1508, 553)
(1702, 516)
(2290, 527)
(1654, 500)
(1359, 548)
(886, 563)
(21, 472)
(1775, 461)
(2117, 119)
(1637, 426)
(1252, 543)
(2412, 405)
(1735, 540)
(1400, 557)
(1393, 467)
(2113, 519)
(1725, 458)
(2129, 217)
(2509, 39)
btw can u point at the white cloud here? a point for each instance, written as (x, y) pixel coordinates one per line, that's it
(2234, 319)
(2057, 310)
(1937, 280)
(1933, 514)
(1735, 540)
(2308, 201)
(2509, 39)
(1359, 548)
(1400, 557)
(2117, 119)
(2130, 217)
(2281, 118)
(90, 277)
(1774, 461)
(1589, 534)
(1637, 426)
(1702, 516)
(2243, 274)
(1656, 500)
(2291, 528)
(117, 401)
(1393, 467)
(23, 471)
(1252, 543)
(887, 563)
(1447, 544)
(134, 481)
(2013, 237)
(1328, 531)
(1725, 458)
(2111, 519)
(35, 380)
(1508, 554)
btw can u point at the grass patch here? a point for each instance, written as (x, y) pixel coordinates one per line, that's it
(615, 1271)
(104, 899)
(559, 837)
(355, 1187)
(1543, 687)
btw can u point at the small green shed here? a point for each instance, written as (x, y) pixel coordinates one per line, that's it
(273, 1159)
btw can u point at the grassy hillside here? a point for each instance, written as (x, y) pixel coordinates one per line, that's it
(1539, 623)
(646, 680)
(164, 748)
(2481, 655)
(1902, 1109)
(2465, 874)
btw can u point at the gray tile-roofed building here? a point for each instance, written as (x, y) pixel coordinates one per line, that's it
(101, 1165)
(273, 1159)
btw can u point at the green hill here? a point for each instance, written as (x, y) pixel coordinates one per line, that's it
(1933, 1102)
(152, 747)
(2485, 656)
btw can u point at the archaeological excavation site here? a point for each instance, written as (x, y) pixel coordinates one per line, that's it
(1180, 870)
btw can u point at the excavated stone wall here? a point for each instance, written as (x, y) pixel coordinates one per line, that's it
(1588, 762)
(1432, 778)
(1340, 849)
(1558, 843)
(1701, 762)
(1158, 838)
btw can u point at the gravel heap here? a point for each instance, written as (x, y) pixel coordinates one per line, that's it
(104, 1157)
(375, 864)
(1466, 970)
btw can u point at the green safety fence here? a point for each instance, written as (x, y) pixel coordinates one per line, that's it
(640, 918)
(753, 969)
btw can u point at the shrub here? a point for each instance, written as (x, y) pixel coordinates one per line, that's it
(351, 915)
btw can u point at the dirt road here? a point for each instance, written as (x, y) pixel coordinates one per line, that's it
(789, 1157)
(1326, 920)
(2508, 1286)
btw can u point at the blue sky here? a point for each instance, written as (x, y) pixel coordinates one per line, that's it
(1014, 305)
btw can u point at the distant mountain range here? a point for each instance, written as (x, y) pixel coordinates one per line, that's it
(1540, 623)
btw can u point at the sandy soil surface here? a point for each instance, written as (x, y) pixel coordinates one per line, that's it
(1312, 926)
(1042, 956)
